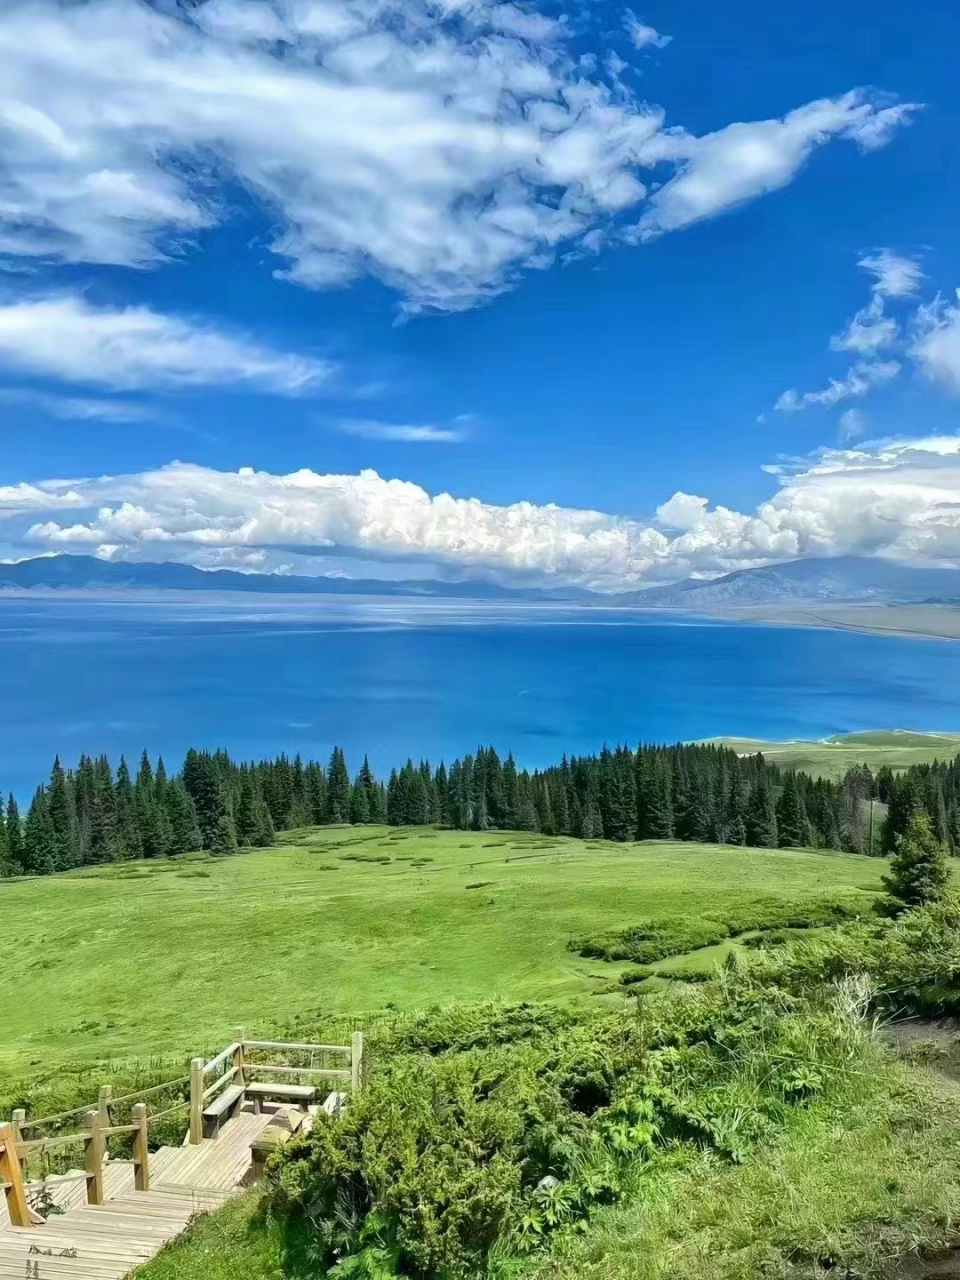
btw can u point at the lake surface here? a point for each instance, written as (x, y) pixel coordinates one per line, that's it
(434, 679)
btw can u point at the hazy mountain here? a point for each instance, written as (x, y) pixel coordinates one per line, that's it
(846, 578)
(88, 573)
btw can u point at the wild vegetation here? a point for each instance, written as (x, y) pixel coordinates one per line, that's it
(694, 792)
(753, 1125)
(598, 1134)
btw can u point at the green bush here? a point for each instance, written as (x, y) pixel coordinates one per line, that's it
(455, 1156)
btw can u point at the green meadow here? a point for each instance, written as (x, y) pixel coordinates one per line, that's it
(891, 748)
(166, 958)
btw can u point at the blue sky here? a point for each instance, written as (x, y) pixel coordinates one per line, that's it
(562, 256)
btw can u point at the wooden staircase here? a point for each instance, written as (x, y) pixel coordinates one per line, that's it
(101, 1226)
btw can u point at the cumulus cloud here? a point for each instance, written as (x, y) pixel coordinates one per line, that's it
(899, 499)
(860, 379)
(134, 348)
(439, 145)
(414, 434)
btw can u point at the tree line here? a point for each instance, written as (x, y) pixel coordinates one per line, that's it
(700, 792)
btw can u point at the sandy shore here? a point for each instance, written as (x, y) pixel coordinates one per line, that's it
(917, 620)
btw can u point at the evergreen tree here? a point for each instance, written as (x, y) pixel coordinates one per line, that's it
(338, 788)
(225, 842)
(735, 824)
(185, 835)
(761, 816)
(202, 781)
(918, 873)
(64, 827)
(791, 818)
(14, 836)
(39, 842)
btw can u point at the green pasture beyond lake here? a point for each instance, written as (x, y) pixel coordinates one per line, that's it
(145, 959)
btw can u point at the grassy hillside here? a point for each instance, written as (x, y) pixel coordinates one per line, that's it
(831, 758)
(144, 958)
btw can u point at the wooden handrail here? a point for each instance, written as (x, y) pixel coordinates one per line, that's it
(337, 1074)
(212, 1088)
(301, 1048)
(58, 1140)
(228, 1052)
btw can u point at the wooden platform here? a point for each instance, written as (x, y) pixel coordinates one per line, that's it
(107, 1241)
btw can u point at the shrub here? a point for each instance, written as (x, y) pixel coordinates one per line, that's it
(516, 1122)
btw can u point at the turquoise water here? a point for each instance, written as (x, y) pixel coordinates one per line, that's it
(396, 678)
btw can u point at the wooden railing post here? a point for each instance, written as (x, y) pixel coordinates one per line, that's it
(196, 1101)
(18, 1118)
(238, 1054)
(356, 1062)
(141, 1161)
(11, 1178)
(93, 1158)
(103, 1105)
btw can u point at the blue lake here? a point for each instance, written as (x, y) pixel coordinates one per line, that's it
(396, 678)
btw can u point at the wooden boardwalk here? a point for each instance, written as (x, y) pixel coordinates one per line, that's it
(105, 1242)
(106, 1219)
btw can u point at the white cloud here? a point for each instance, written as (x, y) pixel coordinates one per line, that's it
(414, 434)
(743, 161)
(869, 331)
(132, 348)
(642, 35)
(441, 155)
(899, 499)
(863, 377)
(895, 277)
(936, 345)
(79, 408)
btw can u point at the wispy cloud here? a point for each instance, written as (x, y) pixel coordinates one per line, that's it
(421, 433)
(858, 381)
(81, 409)
(642, 34)
(133, 348)
(896, 276)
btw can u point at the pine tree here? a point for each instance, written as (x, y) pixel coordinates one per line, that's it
(225, 842)
(202, 781)
(735, 822)
(185, 835)
(791, 819)
(359, 803)
(919, 872)
(761, 816)
(338, 788)
(127, 830)
(14, 834)
(39, 842)
(64, 826)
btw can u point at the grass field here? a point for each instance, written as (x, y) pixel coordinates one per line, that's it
(831, 758)
(166, 958)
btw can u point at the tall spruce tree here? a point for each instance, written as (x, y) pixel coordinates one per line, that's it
(338, 788)
(761, 816)
(918, 873)
(792, 824)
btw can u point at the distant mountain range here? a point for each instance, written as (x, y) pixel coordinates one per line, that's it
(81, 573)
(844, 579)
(849, 579)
